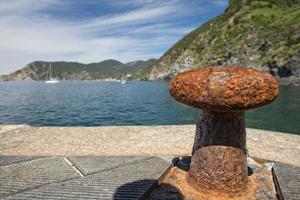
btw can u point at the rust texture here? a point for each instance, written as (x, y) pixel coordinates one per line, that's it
(259, 186)
(223, 93)
(224, 88)
(221, 128)
(218, 168)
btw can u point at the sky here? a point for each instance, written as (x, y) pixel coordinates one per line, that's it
(94, 30)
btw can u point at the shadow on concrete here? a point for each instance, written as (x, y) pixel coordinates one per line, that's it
(155, 192)
(113, 177)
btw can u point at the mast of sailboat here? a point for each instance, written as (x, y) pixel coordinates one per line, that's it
(47, 72)
(50, 71)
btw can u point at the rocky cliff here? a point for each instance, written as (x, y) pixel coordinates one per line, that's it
(106, 69)
(261, 34)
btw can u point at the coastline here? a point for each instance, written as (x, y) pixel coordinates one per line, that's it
(294, 82)
(171, 140)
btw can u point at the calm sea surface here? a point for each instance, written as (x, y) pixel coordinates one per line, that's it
(137, 103)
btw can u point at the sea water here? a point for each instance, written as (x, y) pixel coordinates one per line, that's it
(95, 103)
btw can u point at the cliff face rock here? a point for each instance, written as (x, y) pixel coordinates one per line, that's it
(38, 70)
(261, 34)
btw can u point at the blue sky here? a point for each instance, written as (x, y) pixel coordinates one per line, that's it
(94, 30)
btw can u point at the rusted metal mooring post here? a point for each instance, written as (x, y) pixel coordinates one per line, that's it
(223, 93)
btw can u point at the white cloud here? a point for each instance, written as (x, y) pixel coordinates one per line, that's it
(136, 16)
(28, 33)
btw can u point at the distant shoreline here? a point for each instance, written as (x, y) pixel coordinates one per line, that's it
(283, 82)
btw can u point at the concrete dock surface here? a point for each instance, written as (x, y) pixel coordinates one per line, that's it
(175, 140)
(116, 162)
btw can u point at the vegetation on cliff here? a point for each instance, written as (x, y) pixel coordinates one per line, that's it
(77, 71)
(261, 34)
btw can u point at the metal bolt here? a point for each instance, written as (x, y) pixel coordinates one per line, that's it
(223, 93)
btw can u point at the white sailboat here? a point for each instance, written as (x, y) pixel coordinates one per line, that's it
(124, 79)
(51, 80)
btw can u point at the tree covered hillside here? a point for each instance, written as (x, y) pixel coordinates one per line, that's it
(261, 34)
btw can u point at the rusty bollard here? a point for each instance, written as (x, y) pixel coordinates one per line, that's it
(223, 93)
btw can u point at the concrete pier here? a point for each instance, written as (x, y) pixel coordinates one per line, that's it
(175, 140)
(111, 162)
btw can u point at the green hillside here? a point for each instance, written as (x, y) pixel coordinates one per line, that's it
(77, 71)
(262, 34)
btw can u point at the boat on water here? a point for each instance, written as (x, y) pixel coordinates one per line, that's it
(124, 79)
(50, 79)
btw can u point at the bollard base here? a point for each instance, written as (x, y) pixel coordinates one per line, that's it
(218, 168)
(260, 186)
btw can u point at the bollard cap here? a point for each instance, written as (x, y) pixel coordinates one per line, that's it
(224, 88)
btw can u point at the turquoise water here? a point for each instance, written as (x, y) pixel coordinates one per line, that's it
(88, 103)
